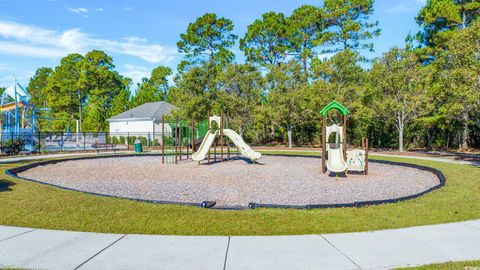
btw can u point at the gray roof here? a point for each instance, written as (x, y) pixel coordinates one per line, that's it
(150, 110)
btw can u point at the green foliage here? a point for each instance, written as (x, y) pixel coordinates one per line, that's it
(38, 85)
(153, 89)
(13, 146)
(397, 79)
(439, 17)
(208, 39)
(240, 90)
(86, 88)
(307, 26)
(352, 28)
(266, 40)
(195, 91)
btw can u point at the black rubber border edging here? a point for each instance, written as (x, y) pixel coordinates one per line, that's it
(252, 205)
(14, 173)
(441, 177)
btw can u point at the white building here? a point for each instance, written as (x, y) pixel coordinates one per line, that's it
(144, 120)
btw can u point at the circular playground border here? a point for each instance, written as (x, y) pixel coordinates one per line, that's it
(252, 205)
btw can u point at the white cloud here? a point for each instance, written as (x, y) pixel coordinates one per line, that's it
(136, 73)
(99, 9)
(79, 10)
(4, 67)
(135, 39)
(127, 8)
(32, 41)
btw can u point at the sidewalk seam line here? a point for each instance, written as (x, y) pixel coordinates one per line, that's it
(13, 236)
(226, 254)
(102, 250)
(469, 226)
(345, 255)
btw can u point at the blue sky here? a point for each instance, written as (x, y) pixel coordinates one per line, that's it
(141, 35)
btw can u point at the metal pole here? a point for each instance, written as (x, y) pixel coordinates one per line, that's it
(208, 128)
(193, 136)
(175, 139)
(345, 137)
(366, 156)
(324, 141)
(180, 142)
(221, 136)
(163, 139)
(228, 144)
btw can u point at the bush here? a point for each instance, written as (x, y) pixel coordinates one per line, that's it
(122, 140)
(13, 146)
(114, 140)
(131, 140)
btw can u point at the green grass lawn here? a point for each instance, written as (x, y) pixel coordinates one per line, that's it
(35, 205)
(467, 265)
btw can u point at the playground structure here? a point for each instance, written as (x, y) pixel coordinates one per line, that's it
(221, 133)
(197, 140)
(335, 157)
(18, 116)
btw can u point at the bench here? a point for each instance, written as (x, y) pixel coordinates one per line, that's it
(105, 146)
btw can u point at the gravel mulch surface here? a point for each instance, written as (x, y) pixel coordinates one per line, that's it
(280, 180)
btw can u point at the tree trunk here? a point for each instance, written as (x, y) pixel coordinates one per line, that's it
(289, 135)
(400, 125)
(272, 132)
(400, 140)
(464, 144)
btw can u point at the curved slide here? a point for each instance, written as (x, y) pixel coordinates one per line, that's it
(336, 162)
(244, 148)
(205, 146)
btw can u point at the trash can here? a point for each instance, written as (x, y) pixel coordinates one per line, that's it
(138, 146)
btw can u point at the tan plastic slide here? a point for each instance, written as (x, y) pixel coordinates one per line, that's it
(207, 142)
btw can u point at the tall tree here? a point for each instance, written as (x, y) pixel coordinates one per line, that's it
(66, 97)
(37, 86)
(102, 84)
(154, 88)
(352, 28)
(398, 78)
(208, 39)
(307, 25)
(286, 97)
(439, 17)
(241, 88)
(458, 80)
(194, 92)
(266, 40)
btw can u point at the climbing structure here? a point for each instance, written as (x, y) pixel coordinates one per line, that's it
(18, 116)
(335, 157)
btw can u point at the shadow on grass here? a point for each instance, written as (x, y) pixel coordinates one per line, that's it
(5, 185)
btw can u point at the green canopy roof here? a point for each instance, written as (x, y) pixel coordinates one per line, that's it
(334, 105)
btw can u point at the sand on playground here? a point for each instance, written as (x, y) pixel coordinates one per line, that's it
(278, 180)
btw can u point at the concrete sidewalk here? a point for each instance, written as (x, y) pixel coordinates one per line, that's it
(48, 249)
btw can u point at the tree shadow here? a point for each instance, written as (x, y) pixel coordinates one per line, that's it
(5, 185)
(232, 158)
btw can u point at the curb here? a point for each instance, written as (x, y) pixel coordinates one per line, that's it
(252, 205)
